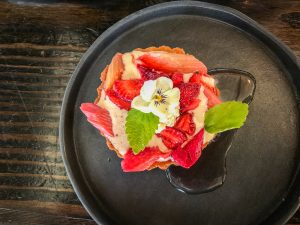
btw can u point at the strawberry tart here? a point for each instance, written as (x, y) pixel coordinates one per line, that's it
(152, 105)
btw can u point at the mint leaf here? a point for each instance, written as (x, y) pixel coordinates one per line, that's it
(225, 116)
(140, 127)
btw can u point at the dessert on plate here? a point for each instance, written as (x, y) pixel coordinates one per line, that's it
(158, 107)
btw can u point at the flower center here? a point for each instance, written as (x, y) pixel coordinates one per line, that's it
(159, 98)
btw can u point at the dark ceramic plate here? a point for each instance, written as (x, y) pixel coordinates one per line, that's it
(262, 184)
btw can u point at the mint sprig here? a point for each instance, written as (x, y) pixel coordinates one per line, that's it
(225, 116)
(140, 128)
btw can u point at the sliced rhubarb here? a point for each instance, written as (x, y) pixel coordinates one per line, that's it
(199, 79)
(143, 160)
(212, 99)
(171, 62)
(98, 117)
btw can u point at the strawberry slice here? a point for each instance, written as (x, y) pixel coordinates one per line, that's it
(114, 97)
(142, 161)
(190, 153)
(192, 105)
(172, 62)
(188, 93)
(212, 93)
(150, 74)
(212, 99)
(186, 124)
(198, 78)
(114, 71)
(98, 117)
(172, 137)
(177, 78)
(128, 89)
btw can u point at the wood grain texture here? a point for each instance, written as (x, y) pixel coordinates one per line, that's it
(17, 217)
(40, 45)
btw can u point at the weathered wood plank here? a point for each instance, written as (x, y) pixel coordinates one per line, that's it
(17, 217)
(54, 208)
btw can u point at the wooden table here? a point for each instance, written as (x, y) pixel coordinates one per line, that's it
(40, 45)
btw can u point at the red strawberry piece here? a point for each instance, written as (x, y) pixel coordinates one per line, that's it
(172, 62)
(122, 104)
(98, 117)
(186, 124)
(143, 160)
(188, 92)
(172, 137)
(190, 153)
(168, 144)
(212, 89)
(150, 74)
(128, 89)
(114, 71)
(192, 105)
(198, 78)
(177, 78)
(212, 99)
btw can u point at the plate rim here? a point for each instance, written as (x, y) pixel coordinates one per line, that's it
(286, 211)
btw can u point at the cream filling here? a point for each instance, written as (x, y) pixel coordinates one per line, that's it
(199, 112)
(156, 141)
(208, 137)
(130, 70)
(187, 77)
(118, 116)
(199, 115)
(209, 81)
(161, 159)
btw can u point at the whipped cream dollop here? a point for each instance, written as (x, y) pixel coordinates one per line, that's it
(159, 97)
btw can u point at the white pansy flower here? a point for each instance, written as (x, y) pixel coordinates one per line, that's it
(159, 97)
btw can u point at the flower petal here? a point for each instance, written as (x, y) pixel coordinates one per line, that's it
(139, 104)
(148, 90)
(159, 110)
(173, 110)
(164, 84)
(173, 96)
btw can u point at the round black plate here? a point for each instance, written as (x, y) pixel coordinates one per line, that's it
(262, 184)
